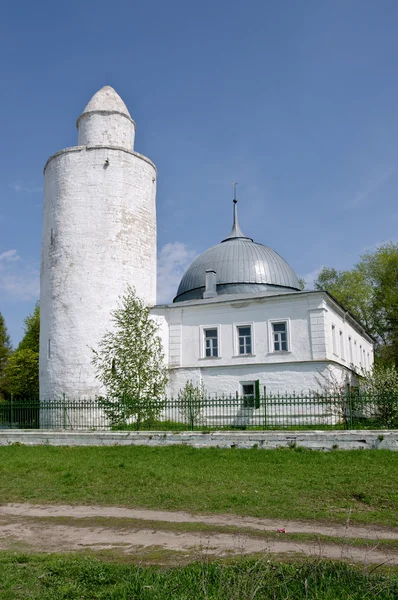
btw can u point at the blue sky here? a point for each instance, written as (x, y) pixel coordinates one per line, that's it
(296, 100)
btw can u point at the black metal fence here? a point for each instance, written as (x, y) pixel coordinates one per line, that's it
(193, 412)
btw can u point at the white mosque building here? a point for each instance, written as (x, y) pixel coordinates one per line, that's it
(239, 319)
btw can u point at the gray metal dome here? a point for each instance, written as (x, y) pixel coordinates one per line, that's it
(241, 266)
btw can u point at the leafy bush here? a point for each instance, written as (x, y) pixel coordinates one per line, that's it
(381, 383)
(129, 362)
(192, 400)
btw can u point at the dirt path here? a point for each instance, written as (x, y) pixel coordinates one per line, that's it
(76, 512)
(31, 526)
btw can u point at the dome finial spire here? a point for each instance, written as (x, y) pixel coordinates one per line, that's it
(235, 183)
(236, 230)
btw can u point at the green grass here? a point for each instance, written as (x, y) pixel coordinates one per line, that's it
(285, 484)
(76, 577)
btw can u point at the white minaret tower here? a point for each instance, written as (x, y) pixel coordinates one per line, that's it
(99, 235)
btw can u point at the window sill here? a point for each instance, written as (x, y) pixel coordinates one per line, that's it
(283, 352)
(210, 357)
(242, 355)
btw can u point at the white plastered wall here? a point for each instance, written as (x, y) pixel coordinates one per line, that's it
(308, 365)
(99, 235)
(347, 344)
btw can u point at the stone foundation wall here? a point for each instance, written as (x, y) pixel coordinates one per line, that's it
(314, 440)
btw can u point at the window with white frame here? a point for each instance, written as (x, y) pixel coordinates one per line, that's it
(334, 339)
(350, 348)
(279, 337)
(244, 339)
(211, 342)
(360, 355)
(342, 345)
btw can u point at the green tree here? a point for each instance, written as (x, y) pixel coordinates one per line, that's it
(22, 369)
(370, 292)
(5, 353)
(351, 289)
(301, 283)
(22, 374)
(381, 385)
(129, 363)
(382, 273)
(31, 338)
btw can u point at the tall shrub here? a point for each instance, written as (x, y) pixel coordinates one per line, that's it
(129, 363)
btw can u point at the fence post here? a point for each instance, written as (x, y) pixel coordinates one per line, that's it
(265, 408)
(63, 411)
(191, 417)
(349, 404)
(11, 412)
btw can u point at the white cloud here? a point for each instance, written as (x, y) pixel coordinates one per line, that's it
(9, 256)
(19, 278)
(20, 187)
(173, 260)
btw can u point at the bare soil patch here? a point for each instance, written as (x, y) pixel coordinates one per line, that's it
(292, 526)
(31, 526)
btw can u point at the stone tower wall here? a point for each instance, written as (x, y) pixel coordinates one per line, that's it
(99, 235)
(106, 129)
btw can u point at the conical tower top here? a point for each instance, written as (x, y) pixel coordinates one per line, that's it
(106, 121)
(107, 100)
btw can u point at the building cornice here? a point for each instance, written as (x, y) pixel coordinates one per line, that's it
(88, 148)
(262, 363)
(105, 112)
(226, 298)
(347, 315)
(266, 297)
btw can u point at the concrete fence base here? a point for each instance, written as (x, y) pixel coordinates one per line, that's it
(314, 440)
